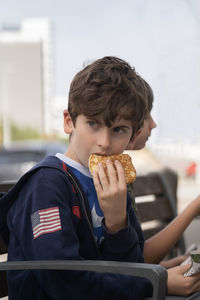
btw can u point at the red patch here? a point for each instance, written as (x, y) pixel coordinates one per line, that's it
(73, 189)
(64, 166)
(76, 211)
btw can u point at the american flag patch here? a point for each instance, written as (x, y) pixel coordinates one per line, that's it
(45, 221)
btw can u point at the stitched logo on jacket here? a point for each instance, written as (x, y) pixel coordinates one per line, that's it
(45, 221)
(76, 211)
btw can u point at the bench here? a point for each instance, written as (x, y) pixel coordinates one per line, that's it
(155, 273)
(156, 200)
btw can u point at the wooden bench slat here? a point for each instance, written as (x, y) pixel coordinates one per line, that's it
(4, 186)
(156, 210)
(163, 187)
(146, 185)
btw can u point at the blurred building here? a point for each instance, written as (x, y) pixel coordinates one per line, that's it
(59, 103)
(25, 75)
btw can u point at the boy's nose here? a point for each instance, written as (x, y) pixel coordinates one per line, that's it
(104, 141)
(152, 123)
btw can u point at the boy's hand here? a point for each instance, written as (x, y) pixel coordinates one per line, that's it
(112, 195)
(180, 285)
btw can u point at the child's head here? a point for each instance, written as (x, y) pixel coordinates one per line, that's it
(150, 97)
(108, 88)
(148, 125)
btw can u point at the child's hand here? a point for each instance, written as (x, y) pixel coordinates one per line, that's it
(112, 195)
(180, 285)
(173, 262)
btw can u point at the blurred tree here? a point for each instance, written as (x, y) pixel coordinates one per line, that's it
(1, 133)
(25, 133)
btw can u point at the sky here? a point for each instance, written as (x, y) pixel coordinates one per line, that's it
(161, 39)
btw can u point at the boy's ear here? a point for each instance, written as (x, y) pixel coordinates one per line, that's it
(131, 143)
(68, 123)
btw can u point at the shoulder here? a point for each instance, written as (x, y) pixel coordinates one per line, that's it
(49, 172)
(44, 189)
(45, 180)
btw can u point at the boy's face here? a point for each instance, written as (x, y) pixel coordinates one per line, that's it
(91, 135)
(145, 133)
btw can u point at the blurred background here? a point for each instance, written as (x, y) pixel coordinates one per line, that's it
(44, 43)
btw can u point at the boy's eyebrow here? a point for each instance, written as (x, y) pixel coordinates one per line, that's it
(93, 119)
(100, 121)
(124, 126)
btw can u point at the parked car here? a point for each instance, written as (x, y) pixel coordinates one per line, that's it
(20, 157)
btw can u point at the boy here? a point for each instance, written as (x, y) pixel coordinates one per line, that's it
(58, 213)
(177, 283)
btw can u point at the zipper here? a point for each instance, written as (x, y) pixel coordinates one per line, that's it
(83, 204)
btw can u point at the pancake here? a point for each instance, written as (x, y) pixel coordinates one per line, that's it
(125, 159)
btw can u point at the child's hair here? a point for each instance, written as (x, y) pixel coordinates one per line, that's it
(109, 87)
(150, 96)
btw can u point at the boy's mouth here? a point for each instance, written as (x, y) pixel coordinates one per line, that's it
(104, 154)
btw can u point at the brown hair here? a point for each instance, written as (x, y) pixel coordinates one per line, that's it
(109, 87)
(150, 96)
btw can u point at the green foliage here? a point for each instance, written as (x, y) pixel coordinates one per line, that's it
(25, 133)
(1, 133)
(64, 139)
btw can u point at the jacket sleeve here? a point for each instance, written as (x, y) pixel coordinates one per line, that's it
(126, 244)
(60, 244)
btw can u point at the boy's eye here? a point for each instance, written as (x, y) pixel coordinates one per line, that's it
(92, 123)
(119, 130)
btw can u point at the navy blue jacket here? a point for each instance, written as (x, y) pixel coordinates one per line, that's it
(51, 184)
